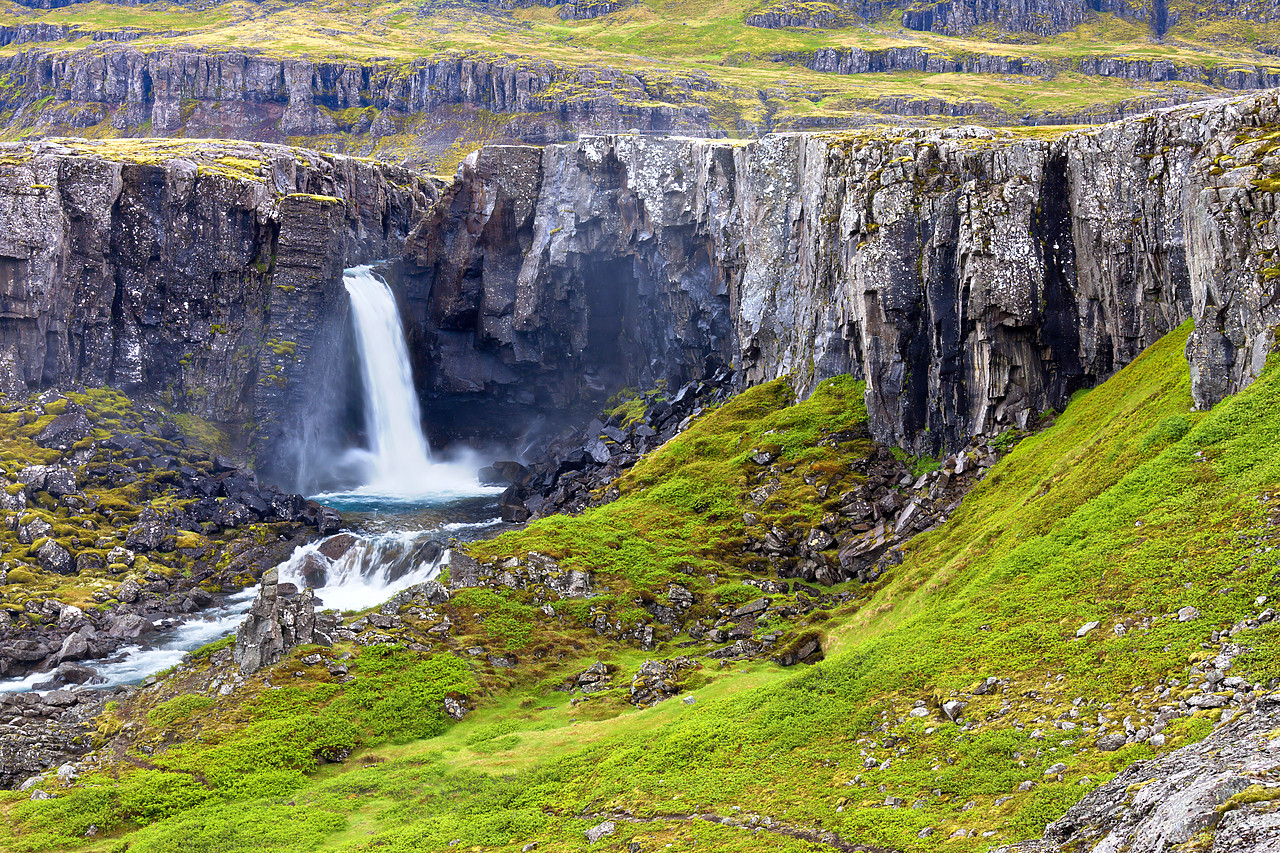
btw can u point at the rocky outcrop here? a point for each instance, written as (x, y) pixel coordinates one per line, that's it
(972, 278)
(580, 10)
(280, 619)
(1039, 17)
(957, 17)
(1218, 794)
(857, 60)
(205, 273)
(805, 15)
(42, 732)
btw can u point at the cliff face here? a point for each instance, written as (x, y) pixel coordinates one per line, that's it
(856, 60)
(972, 278)
(204, 273)
(247, 96)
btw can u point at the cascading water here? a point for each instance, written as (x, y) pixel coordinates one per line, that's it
(373, 568)
(425, 497)
(406, 506)
(399, 460)
(398, 467)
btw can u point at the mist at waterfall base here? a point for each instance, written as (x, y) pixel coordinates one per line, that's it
(401, 503)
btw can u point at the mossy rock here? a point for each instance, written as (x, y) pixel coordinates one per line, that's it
(24, 577)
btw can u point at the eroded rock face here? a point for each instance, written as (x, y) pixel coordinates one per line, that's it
(278, 621)
(1156, 805)
(972, 278)
(238, 94)
(208, 272)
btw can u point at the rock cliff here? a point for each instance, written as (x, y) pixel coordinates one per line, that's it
(202, 273)
(158, 91)
(973, 278)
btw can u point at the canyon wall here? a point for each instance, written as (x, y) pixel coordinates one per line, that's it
(203, 274)
(242, 95)
(973, 278)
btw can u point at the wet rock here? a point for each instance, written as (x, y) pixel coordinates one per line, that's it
(336, 547)
(74, 673)
(1112, 742)
(511, 505)
(35, 529)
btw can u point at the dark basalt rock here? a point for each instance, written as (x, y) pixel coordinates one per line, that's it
(255, 290)
(972, 279)
(279, 619)
(233, 93)
(64, 431)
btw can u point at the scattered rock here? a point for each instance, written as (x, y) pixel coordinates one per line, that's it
(658, 680)
(603, 830)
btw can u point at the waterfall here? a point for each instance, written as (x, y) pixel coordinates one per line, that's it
(399, 462)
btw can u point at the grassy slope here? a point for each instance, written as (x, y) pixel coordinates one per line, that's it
(1129, 505)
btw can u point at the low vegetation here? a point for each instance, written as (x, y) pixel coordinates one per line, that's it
(1128, 508)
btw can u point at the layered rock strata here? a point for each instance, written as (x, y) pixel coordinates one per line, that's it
(972, 277)
(203, 273)
(244, 95)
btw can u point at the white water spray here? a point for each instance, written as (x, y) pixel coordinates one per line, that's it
(399, 460)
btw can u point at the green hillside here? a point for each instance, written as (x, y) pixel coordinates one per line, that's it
(1125, 510)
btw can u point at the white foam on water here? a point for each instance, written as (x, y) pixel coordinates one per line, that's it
(131, 664)
(372, 570)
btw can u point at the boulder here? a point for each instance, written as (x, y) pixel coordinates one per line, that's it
(658, 680)
(74, 673)
(55, 559)
(64, 431)
(60, 481)
(1111, 742)
(603, 830)
(128, 591)
(335, 547)
(148, 533)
